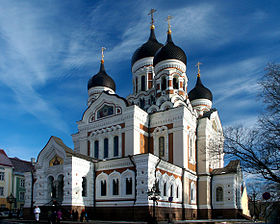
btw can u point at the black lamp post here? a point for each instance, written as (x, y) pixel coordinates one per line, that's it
(32, 183)
(154, 194)
(11, 199)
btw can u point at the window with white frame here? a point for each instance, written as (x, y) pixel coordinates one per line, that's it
(115, 186)
(96, 149)
(21, 195)
(160, 135)
(116, 145)
(106, 148)
(2, 176)
(177, 192)
(192, 192)
(171, 190)
(191, 148)
(163, 83)
(103, 187)
(219, 194)
(128, 185)
(164, 189)
(161, 146)
(22, 183)
(1, 191)
(175, 83)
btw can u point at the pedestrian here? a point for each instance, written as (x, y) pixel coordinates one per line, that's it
(76, 215)
(59, 216)
(37, 212)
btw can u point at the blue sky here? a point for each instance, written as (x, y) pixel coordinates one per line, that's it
(49, 50)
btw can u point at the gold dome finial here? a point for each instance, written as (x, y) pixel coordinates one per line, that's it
(102, 54)
(198, 69)
(169, 26)
(152, 17)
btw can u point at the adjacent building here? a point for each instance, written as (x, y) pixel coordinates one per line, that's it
(12, 180)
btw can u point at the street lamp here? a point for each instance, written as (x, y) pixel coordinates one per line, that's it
(11, 199)
(154, 194)
(32, 183)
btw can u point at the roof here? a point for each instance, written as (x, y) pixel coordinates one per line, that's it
(4, 159)
(148, 49)
(61, 143)
(21, 165)
(69, 151)
(208, 113)
(170, 51)
(232, 167)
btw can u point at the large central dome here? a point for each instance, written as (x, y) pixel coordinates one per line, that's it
(148, 49)
(170, 51)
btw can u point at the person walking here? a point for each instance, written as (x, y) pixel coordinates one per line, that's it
(37, 212)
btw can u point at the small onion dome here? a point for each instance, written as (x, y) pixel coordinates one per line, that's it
(101, 79)
(200, 91)
(148, 49)
(170, 51)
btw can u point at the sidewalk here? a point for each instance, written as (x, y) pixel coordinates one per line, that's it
(214, 221)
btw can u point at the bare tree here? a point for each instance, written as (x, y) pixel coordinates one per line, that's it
(259, 148)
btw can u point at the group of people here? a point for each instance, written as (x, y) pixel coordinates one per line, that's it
(55, 215)
(74, 215)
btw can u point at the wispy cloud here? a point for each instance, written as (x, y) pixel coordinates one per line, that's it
(29, 49)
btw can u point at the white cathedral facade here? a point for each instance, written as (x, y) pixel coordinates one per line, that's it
(161, 135)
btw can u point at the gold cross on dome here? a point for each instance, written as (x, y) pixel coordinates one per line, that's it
(152, 11)
(102, 53)
(198, 69)
(168, 20)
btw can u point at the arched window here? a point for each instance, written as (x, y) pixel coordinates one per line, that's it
(136, 84)
(143, 83)
(163, 83)
(161, 146)
(103, 188)
(175, 83)
(128, 185)
(115, 187)
(184, 85)
(106, 147)
(171, 191)
(177, 192)
(164, 189)
(219, 194)
(142, 103)
(60, 186)
(96, 149)
(51, 187)
(192, 194)
(191, 148)
(116, 145)
(84, 187)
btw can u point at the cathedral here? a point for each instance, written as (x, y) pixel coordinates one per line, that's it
(158, 153)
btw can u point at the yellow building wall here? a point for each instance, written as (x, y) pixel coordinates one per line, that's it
(7, 184)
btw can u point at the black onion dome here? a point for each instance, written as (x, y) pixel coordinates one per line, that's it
(101, 79)
(148, 49)
(200, 92)
(170, 51)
